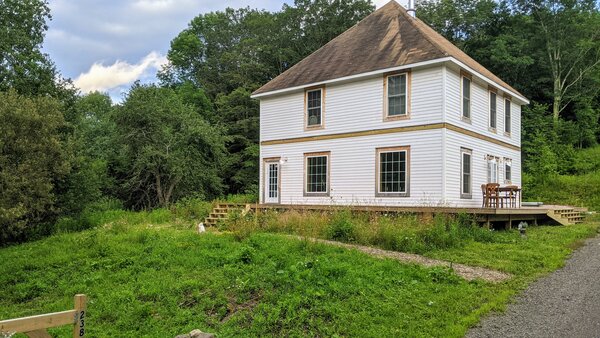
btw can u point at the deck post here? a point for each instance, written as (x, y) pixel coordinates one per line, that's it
(487, 221)
(80, 314)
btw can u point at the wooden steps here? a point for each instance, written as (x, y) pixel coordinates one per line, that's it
(221, 212)
(567, 215)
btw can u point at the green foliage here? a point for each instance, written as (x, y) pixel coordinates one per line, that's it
(168, 150)
(32, 158)
(143, 280)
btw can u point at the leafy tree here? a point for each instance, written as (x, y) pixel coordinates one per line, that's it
(33, 157)
(23, 66)
(168, 149)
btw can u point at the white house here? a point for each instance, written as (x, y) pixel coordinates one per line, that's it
(389, 113)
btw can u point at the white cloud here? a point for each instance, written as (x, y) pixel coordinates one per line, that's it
(102, 78)
(160, 5)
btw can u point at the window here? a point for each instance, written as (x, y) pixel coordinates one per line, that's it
(492, 170)
(393, 172)
(493, 110)
(466, 97)
(507, 116)
(273, 180)
(314, 108)
(466, 176)
(507, 171)
(317, 174)
(397, 103)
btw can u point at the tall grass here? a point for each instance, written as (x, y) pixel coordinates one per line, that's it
(399, 232)
(576, 190)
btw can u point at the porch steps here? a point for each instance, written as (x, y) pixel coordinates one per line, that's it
(221, 212)
(567, 215)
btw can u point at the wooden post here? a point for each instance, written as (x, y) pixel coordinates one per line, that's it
(80, 316)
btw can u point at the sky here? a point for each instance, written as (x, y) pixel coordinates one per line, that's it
(107, 45)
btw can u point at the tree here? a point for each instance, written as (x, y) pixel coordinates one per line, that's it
(33, 157)
(570, 37)
(168, 149)
(23, 66)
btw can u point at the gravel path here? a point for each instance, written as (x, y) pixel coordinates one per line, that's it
(465, 271)
(564, 304)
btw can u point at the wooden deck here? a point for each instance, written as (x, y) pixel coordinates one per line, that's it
(563, 215)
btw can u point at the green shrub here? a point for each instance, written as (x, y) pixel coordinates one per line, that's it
(341, 227)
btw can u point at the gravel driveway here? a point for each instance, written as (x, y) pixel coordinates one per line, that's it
(563, 304)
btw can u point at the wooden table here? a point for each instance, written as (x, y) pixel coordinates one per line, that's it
(512, 194)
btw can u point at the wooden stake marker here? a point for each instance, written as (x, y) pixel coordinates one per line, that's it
(35, 326)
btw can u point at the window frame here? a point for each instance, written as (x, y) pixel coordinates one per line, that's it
(464, 75)
(489, 171)
(326, 154)
(463, 152)
(508, 164)
(493, 128)
(407, 94)
(507, 116)
(323, 94)
(378, 153)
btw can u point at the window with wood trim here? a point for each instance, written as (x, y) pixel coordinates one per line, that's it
(396, 95)
(466, 97)
(493, 110)
(492, 169)
(507, 116)
(317, 174)
(314, 108)
(393, 172)
(507, 171)
(466, 173)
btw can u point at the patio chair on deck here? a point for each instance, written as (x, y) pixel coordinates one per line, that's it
(492, 195)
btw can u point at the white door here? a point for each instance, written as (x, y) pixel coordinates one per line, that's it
(272, 182)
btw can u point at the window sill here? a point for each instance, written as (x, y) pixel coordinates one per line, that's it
(388, 118)
(316, 127)
(316, 194)
(507, 134)
(465, 119)
(466, 196)
(492, 130)
(394, 194)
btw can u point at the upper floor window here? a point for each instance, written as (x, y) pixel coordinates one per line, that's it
(314, 108)
(397, 103)
(507, 116)
(466, 176)
(493, 110)
(317, 174)
(393, 172)
(466, 97)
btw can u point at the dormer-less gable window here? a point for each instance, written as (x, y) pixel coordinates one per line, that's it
(493, 110)
(466, 96)
(397, 96)
(507, 116)
(314, 107)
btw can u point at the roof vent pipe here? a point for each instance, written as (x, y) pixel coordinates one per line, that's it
(411, 8)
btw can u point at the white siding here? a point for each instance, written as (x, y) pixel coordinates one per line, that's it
(352, 175)
(479, 109)
(454, 142)
(353, 106)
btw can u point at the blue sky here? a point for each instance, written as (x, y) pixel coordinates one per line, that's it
(107, 45)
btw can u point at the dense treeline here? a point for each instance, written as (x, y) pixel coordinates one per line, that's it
(194, 135)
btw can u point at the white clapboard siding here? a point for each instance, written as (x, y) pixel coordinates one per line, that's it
(480, 148)
(353, 106)
(479, 109)
(352, 163)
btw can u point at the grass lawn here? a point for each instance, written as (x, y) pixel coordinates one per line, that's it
(146, 281)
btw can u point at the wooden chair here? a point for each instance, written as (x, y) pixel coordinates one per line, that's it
(485, 202)
(493, 195)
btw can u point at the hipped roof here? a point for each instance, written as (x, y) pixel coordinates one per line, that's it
(387, 38)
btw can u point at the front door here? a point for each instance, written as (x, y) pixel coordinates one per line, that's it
(272, 180)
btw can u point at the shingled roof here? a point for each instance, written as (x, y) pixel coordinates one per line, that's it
(387, 38)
